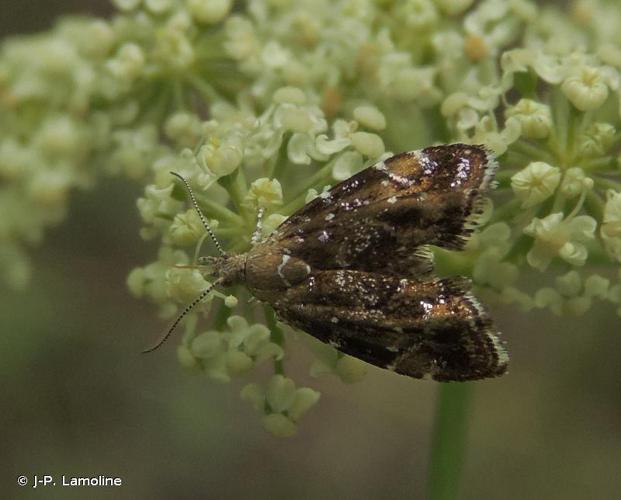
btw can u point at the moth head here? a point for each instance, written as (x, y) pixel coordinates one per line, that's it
(228, 269)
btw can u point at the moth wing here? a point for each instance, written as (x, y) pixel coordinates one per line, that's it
(416, 328)
(379, 219)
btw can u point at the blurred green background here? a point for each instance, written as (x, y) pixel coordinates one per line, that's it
(79, 399)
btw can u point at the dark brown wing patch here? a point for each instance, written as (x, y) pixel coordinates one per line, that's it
(379, 219)
(415, 328)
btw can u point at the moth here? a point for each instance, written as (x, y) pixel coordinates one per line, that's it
(352, 267)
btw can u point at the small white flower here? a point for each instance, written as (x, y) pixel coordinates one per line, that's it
(156, 203)
(209, 11)
(329, 361)
(313, 193)
(151, 280)
(187, 228)
(173, 48)
(558, 237)
(611, 224)
(238, 362)
(280, 393)
(347, 164)
(487, 132)
(370, 117)
(128, 63)
(453, 103)
(183, 128)
(511, 295)
(550, 298)
(286, 403)
(220, 158)
(596, 286)
(185, 285)
(274, 55)
(265, 193)
(234, 351)
(350, 370)
(279, 425)
(611, 221)
(186, 358)
(255, 394)
(329, 147)
(158, 6)
(535, 183)
(231, 301)
(489, 269)
(302, 119)
(369, 145)
(242, 42)
(575, 182)
(534, 117)
(305, 399)
(596, 140)
(577, 306)
(302, 149)
(418, 14)
(49, 188)
(586, 89)
(570, 284)
(208, 345)
(291, 95)
(271, 222)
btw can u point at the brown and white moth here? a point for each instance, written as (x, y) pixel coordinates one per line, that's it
(351, 268)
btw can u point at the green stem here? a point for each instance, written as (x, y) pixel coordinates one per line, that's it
(209, 94)
(595, 205)
(218, 211)
(280, 160)
(236, 186)
(449, 440)
(221, 316)
(532, 151)
(451, 263)
(199, 245)
(506, 211)
(560, 114)
(178, 96)
(605, 163)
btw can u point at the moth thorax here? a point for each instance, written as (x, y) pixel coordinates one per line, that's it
(230, 269)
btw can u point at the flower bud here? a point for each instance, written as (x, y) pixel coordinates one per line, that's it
(209, 11)
(280, 393)
(370, 117)
(534, 118)
(369, 145)
(535, 183)
(586, 90)
(279, 425)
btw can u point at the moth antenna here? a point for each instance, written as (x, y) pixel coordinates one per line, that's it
(256, 236)
(191, 306)
(200, 214)
(189, 266)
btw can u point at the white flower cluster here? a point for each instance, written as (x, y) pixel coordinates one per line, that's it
(281, 402)
(86, 98)
(225, 354)
(264, 104)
